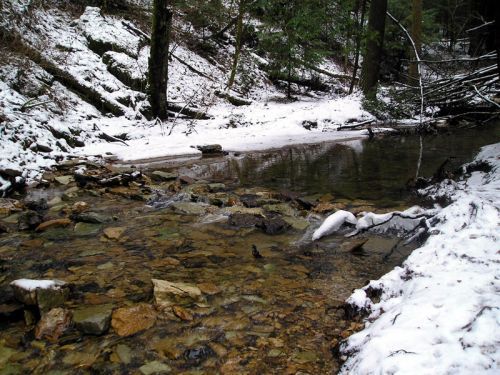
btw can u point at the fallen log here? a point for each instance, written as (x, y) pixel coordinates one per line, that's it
(234, 100)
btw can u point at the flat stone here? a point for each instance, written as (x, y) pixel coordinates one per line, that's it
(53, 224)
(53, 324)
(297, 223)
(326, 207)
(154, 367)
(216, 187)
(124, 353)
(168, 294)
(93, 320)
(92, 217)
(64, 180)
(280, 208)
(257, 211)
(86, 229)
(189, 208)
(164, 176)
(127, 321)
(354, 245)
(114, 233)
(8, 206)
(209, 288)
(182, 313)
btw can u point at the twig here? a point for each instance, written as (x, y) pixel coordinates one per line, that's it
(485, 98)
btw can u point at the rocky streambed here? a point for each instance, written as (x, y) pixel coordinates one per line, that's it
(162, 272)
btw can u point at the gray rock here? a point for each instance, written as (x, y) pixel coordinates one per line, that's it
(93, 320)
(87, 229)
(29, 220)
(92, 217)
(64, 180)
(210, 149)
(189, 208)
(164, 176)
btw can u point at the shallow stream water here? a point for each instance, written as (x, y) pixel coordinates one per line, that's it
(281, 313)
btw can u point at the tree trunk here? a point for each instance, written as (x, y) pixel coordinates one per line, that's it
(361, 21)
(416, 35)
(237, 47)
(158, 59)
(373, 53)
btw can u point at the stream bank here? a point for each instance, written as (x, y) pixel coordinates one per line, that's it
(283, 311)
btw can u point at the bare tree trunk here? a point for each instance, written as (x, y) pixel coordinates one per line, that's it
(158, 59)
(361, 21)
(373, 54)
(237, 47)
(416, 35)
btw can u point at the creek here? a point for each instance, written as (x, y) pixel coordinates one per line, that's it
(281, 313)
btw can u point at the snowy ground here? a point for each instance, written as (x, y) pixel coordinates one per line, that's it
(43, 121)
(440, 312)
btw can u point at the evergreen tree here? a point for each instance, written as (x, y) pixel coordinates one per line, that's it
(291, 35)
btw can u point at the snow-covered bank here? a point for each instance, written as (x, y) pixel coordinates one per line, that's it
(440, 312)
(259, 126)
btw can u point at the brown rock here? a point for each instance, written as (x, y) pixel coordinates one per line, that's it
(79, 207)
(114, 233)
(53, 224)
(53, 324)
(209, 288)
(182, 313)
(354, 245)
(127, 321)
(328, 207)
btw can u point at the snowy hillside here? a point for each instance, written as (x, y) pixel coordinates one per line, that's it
(71, 81)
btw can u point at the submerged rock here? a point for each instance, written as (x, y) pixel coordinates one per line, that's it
(91, 217)
(168, 294)
(29, 220)
(127, 321)
(189, 208)
(93, 320)
(274, 225)
(154, 367)
(56, 223)
(53, 324)
(114, 233)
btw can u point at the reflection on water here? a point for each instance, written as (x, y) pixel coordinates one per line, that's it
(367, 169)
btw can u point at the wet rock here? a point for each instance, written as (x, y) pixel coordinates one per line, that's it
(249, 200)
(64, 180)
(209, 288)
(274, 225)
(197, 355)
(29, 220)
(163, 176)
(182, 313)
(36, 204)
(93, 320)
(127, 321)
(245, 220)
(326, 207)
(86, 229)
(354, 245)
(297, 223)
(168, 294)
(79, 207)
(154, 367)
(8, 206)
(114, 233)
(305, 357)
(216, 187)
(189, 208)
(91, 217)
(46, 294)
(56, 223)
(3, 228)
(218, 349)
(169, 348)
(214, 149)
(280, 208)
(256, 211)
(124, 353)
(53, 324)
(186, 180)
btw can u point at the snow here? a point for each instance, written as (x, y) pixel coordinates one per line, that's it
(29, 284)
(333, 223)
(439, 312)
